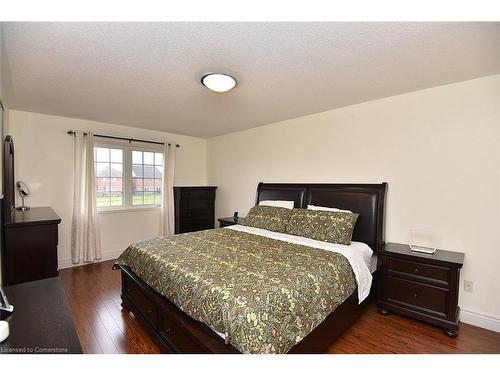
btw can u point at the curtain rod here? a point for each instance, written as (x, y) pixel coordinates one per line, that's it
(130, 140)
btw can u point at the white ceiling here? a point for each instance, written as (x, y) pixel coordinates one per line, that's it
(148, 74)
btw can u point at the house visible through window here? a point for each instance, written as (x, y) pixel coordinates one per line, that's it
(127, 177)
(109, 176)
(147, 174)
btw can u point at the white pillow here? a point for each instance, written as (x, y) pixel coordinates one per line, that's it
(284, 204)
(319, 208)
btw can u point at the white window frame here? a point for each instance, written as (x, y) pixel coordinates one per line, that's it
(127, 175)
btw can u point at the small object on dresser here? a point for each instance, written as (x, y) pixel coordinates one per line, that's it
(235, 215)
(24, 192)
(420, 286)
(423, 241)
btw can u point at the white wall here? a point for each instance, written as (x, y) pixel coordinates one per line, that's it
(438, 149)
(44, 160)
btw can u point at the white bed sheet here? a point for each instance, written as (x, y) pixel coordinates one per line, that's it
(358, 254)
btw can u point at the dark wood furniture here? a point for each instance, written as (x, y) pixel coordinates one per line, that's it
(177, 332)
(29, 238)
(30, 245)
(194, 208)
(8, 177)
(421, 286)
(227, 221)
(41, 321)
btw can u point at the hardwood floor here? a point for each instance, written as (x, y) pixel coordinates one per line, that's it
(93, 293)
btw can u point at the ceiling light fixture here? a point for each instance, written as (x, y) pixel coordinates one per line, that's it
(218, 82)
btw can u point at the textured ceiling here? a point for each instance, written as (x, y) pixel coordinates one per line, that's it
(148, 74)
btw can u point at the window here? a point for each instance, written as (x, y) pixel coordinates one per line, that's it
(147, 174)
(109, 176)
(127, 177)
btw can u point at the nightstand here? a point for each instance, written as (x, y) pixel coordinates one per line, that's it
(421, 286)
(227, 221)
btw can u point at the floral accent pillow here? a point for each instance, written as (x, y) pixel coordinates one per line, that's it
(328, 226)
(268, 217)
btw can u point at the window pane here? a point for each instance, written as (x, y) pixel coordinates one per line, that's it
(136, 170)
(137, 198)
(137, 184)
(149, 171)
(148, 158)
(157, 198)
(149, 198)
(102, 184)
(158, 183)
(102, 169)
(116, 170)
(158, 158)
(149, 184)
(102, 199)
(109, 176)
(101, 154)
(116, 199)
(158, 172)
(116, 184)
(136, 157)
(116, 155)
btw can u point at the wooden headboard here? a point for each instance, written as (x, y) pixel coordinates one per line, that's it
(368, 200)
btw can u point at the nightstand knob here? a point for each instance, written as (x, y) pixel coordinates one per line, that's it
(416, 270)
(415, 294)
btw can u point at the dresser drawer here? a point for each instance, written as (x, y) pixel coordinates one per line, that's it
(198, 194)
(142, 302)
(175, 337)
(416, 269)
(194, 225)
(416, 294)
(198, 213)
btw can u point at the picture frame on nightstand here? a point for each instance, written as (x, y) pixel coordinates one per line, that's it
(423, 241)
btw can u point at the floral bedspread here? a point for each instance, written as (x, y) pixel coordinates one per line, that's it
(265, 295)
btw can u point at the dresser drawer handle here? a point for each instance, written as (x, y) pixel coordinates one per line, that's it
(416, 270)
(150, 311)
(415, 295)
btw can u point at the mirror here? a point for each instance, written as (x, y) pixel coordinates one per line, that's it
(23, 191)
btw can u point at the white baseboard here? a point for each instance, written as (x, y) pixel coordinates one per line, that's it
(68, 263)
(480, 320)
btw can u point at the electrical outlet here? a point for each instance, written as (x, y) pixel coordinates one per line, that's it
(468, 285)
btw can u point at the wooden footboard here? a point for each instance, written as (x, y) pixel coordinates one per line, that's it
(176, 332)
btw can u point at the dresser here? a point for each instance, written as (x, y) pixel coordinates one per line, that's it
(41, 321)
(421, 286)
(29, 250)
(194, 208)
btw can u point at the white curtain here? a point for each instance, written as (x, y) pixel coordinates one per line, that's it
(167, 221)
(85, 236)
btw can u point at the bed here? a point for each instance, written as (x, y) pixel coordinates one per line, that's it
(198, 324)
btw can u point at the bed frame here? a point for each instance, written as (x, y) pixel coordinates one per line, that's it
(176, 332)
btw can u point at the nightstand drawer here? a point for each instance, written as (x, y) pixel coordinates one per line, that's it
(417, 269)
(415, 294)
